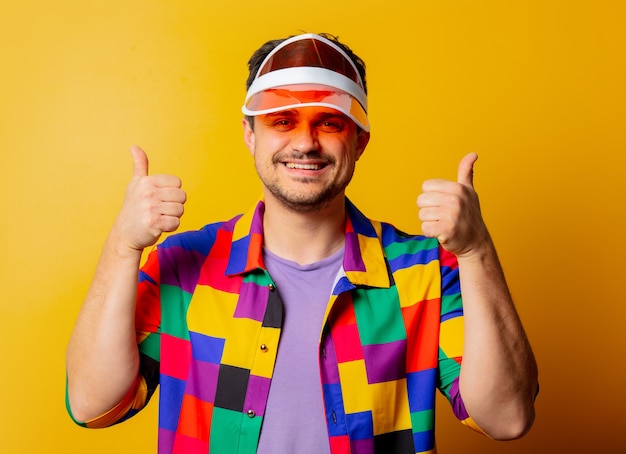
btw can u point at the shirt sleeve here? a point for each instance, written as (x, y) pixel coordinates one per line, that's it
(132, 402)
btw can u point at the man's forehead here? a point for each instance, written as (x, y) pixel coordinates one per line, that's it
(309, 111)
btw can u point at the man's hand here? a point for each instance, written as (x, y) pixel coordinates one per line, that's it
(450, 211)
(153, 205)
(498, 379)
(102, 356)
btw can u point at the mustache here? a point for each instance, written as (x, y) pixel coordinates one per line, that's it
(297, 155)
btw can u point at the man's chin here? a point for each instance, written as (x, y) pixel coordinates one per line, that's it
(307, 203)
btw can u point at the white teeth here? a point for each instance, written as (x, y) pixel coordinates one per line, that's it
(293, 165)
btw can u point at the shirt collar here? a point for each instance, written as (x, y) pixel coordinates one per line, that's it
(364, 261)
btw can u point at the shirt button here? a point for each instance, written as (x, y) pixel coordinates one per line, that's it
(271, 287)
(263, 347)
(251, 413)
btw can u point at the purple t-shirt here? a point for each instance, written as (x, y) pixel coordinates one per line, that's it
(295, 418)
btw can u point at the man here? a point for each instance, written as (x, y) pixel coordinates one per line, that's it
(301, 326)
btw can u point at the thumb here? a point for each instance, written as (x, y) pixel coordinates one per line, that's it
(466, 170)
(140, 162)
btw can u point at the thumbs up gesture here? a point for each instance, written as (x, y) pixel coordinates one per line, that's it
(450, 211)
(153, 205)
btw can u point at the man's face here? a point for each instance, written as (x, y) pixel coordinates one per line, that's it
(305, 157)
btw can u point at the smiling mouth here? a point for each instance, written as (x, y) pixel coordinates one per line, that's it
(293, 165)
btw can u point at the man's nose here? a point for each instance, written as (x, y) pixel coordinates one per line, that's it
(305, 139)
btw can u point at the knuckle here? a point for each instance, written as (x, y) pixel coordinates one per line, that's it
(171, 224)
(153, 219)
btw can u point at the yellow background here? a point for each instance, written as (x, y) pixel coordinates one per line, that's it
(537, 88)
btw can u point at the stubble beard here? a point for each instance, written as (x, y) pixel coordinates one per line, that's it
(303, 201)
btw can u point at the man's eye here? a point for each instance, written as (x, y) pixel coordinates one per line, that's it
(282, 123)
(330, 126)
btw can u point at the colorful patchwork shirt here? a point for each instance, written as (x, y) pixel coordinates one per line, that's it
(209, 322)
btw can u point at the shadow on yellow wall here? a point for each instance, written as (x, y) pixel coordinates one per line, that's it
(536, 88)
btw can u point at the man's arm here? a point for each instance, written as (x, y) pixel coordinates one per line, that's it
(498, 380)
(102, 355)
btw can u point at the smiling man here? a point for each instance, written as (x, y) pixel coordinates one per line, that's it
(301, 326)
(305, 157)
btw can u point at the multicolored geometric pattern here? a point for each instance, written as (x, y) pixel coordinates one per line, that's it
(209, 322)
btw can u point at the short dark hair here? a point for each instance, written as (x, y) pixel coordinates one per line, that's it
(259, 55)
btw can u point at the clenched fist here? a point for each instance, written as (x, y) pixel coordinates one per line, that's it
(153, 205)
(450, 211)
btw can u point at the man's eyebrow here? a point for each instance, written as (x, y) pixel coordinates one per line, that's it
(327, 115)
(283, 113)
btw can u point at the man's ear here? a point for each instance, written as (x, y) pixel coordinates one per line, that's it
(362, 139)
(248, 135)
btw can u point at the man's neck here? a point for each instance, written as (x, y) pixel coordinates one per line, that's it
(304, 237)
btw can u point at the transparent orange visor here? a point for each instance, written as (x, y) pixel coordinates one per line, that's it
(311, 51)
(308, 70)
(294, 96)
